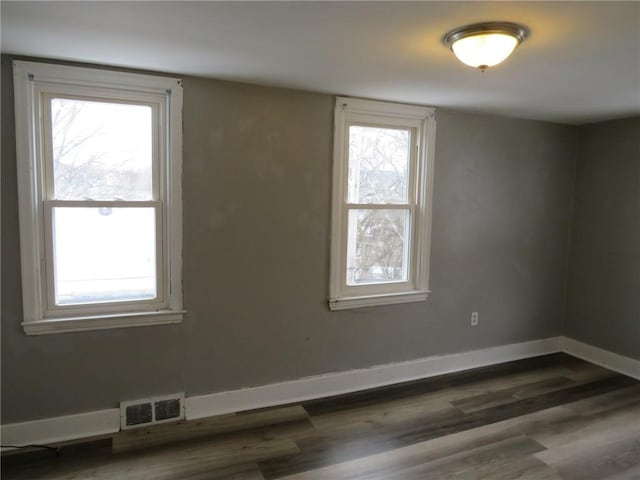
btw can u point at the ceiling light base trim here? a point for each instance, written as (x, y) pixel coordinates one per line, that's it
(483, 45)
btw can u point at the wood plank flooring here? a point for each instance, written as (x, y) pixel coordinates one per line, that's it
(546, 418)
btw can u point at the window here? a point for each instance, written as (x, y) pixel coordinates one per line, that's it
(99, 164)
(382, 188)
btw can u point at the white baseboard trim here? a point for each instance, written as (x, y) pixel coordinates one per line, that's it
(354, 380)
(60, 429)
(101, 422)
(604, 358)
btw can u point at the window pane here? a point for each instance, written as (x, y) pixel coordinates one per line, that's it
(378, 165)
(101, 151)
(104, 254)
(377, 246)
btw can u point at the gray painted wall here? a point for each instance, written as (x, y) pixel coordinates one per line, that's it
(257, 169)
(603, 301)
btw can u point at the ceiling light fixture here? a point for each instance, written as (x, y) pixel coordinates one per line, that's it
(483, 45)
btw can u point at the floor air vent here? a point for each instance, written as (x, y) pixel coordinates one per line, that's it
(149, 411)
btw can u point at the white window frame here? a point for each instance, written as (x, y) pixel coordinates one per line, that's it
(422, 123)
(34, 84)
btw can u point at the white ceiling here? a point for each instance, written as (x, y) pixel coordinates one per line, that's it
(580, 64)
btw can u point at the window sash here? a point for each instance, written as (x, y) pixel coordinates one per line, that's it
(49, 286)
(380, 206)
(50, 202)
(346, 206)
(157, 133)
(408, 251)
(412, 160)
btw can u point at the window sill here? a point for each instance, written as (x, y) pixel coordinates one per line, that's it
(101, 322)
(345, 303)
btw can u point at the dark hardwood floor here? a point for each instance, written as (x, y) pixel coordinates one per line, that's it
(551, 417)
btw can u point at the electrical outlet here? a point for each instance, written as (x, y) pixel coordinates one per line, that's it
(474, 319)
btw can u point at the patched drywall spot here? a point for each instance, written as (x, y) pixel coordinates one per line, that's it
(274, 137)
(216, 137)
(245, 124)
(216, 220)
(521, 269)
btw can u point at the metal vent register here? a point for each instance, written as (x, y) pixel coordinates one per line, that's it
(149, 411)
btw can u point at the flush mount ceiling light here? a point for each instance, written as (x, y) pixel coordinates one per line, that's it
(483, 45)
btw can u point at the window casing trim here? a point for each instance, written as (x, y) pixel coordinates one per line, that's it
(102, 322)
(346, 303)
(421, 121)
(33, 82)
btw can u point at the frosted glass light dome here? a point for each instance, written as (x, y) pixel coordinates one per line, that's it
(484, 45)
